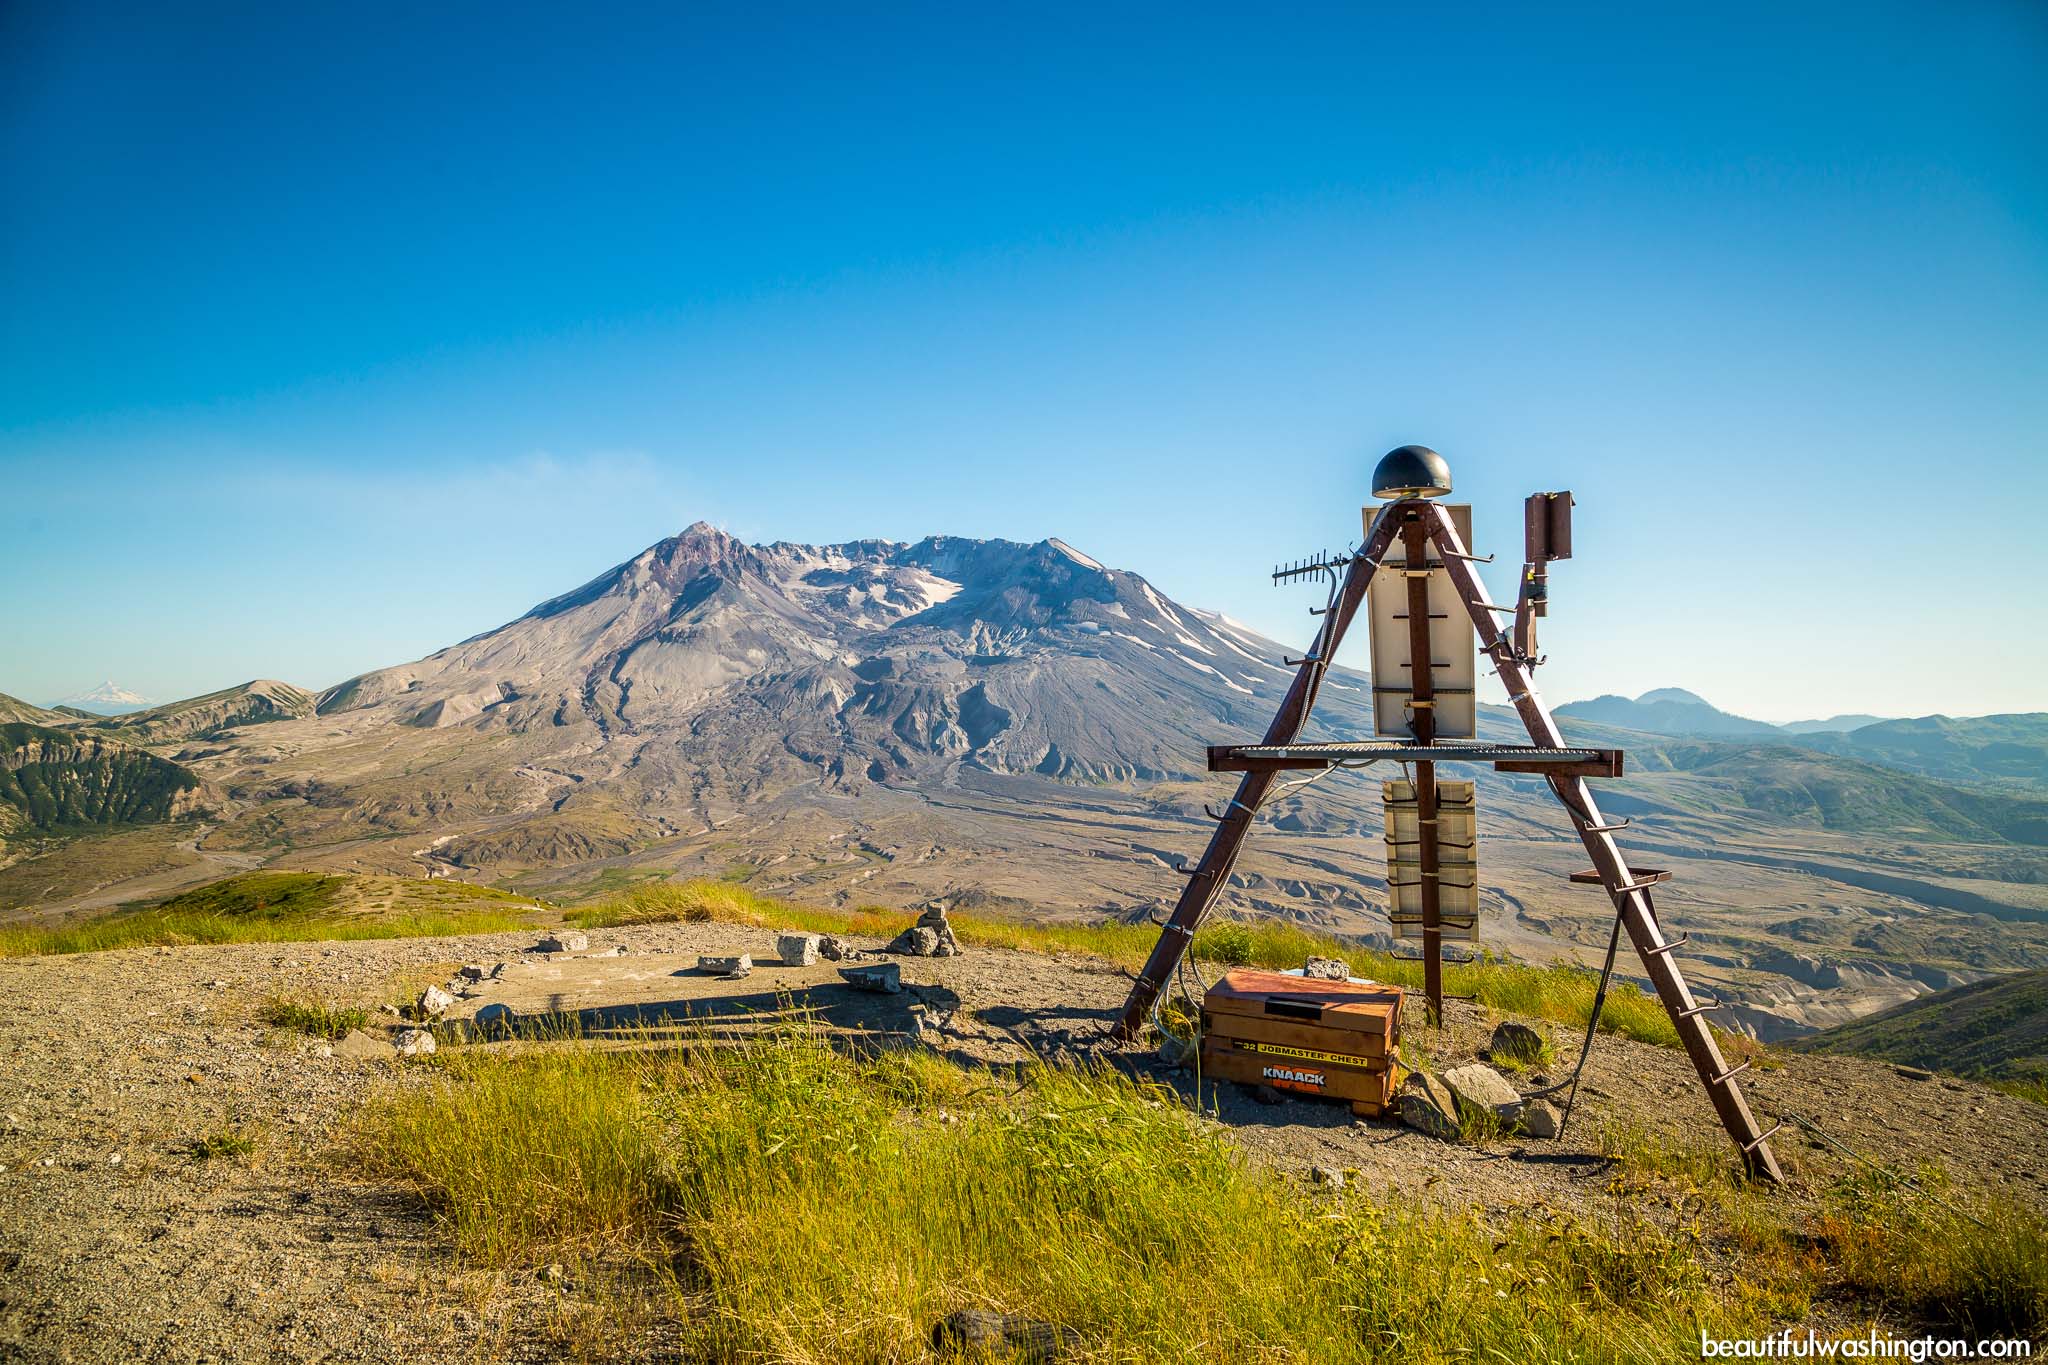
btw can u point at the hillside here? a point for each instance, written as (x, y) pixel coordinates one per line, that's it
(2003, 749)
(1665, 711)
(1995, 1029)
(57, 779)
(15, 710)
(253, 703)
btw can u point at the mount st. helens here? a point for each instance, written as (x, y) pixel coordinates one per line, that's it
(1022, 726)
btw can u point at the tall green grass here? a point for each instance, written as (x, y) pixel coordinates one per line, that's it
(1906, 1243)
(819, 1207)
(1561, 992)
(259, 907)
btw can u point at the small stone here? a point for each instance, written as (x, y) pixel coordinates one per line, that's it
(358, 1046)
(1540, 1119)
(1326, 969)
(554, 1274)
(732, 968)
(1914, 1073)
(473, 971)
(498, 972)
(884, 978)
(1481, 1088)
(833, 948)
(1327, 1175)
(433, 1003)
(797, 950)
(415, 1042)
(565, 941)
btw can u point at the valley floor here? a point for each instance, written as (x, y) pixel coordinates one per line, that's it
(117, 1243)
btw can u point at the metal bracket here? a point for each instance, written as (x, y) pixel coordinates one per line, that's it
(1735, 1070)
(1662, 948)
(1613, 828)
(1699, 1009)
(1762, 1138)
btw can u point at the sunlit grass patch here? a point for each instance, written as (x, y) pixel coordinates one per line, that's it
(271, 907)
(315, 1018)
(865, 1196)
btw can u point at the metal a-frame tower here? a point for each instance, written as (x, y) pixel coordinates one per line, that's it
(1411, 478)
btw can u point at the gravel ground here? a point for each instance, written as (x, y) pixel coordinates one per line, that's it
(117, 1244)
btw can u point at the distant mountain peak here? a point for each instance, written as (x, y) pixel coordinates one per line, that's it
(1673, 694)
(109, 698)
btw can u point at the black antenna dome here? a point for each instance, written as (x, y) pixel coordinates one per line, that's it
(1411, 472)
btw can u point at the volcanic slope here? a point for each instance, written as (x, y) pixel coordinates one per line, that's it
(888, 722)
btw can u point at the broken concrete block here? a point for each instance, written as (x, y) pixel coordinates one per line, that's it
(797, 950)
(1326, 969)
(884, 978)
(1486, 1091)
(565, 941)
(732, 968)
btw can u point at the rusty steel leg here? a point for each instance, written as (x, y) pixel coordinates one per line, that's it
(1228, 839)
(1633, 906)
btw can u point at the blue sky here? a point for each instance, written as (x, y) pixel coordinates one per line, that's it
(331, 336)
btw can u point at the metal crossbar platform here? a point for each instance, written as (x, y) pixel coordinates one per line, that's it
(1245, 758)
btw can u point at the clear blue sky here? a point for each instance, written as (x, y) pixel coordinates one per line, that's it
(331, 336)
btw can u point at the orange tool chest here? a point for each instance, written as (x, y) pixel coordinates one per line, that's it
(1337, 1039)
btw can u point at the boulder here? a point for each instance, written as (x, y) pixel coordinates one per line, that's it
(1327, 1175)
(884, 978)
(797, 950)
(496, 1020)
(1485, 1091)
(833, 948)
(916, 941)
(433, 1003)
(1516, 1042)
(565, 941)
(1540, 1119)
(1326, 969)
(731, 968)
(415, 1042)
(1428, 1105)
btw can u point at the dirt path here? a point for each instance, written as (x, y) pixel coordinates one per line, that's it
(117, 1245)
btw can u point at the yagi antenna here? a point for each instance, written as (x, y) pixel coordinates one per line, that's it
(1321, 562)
